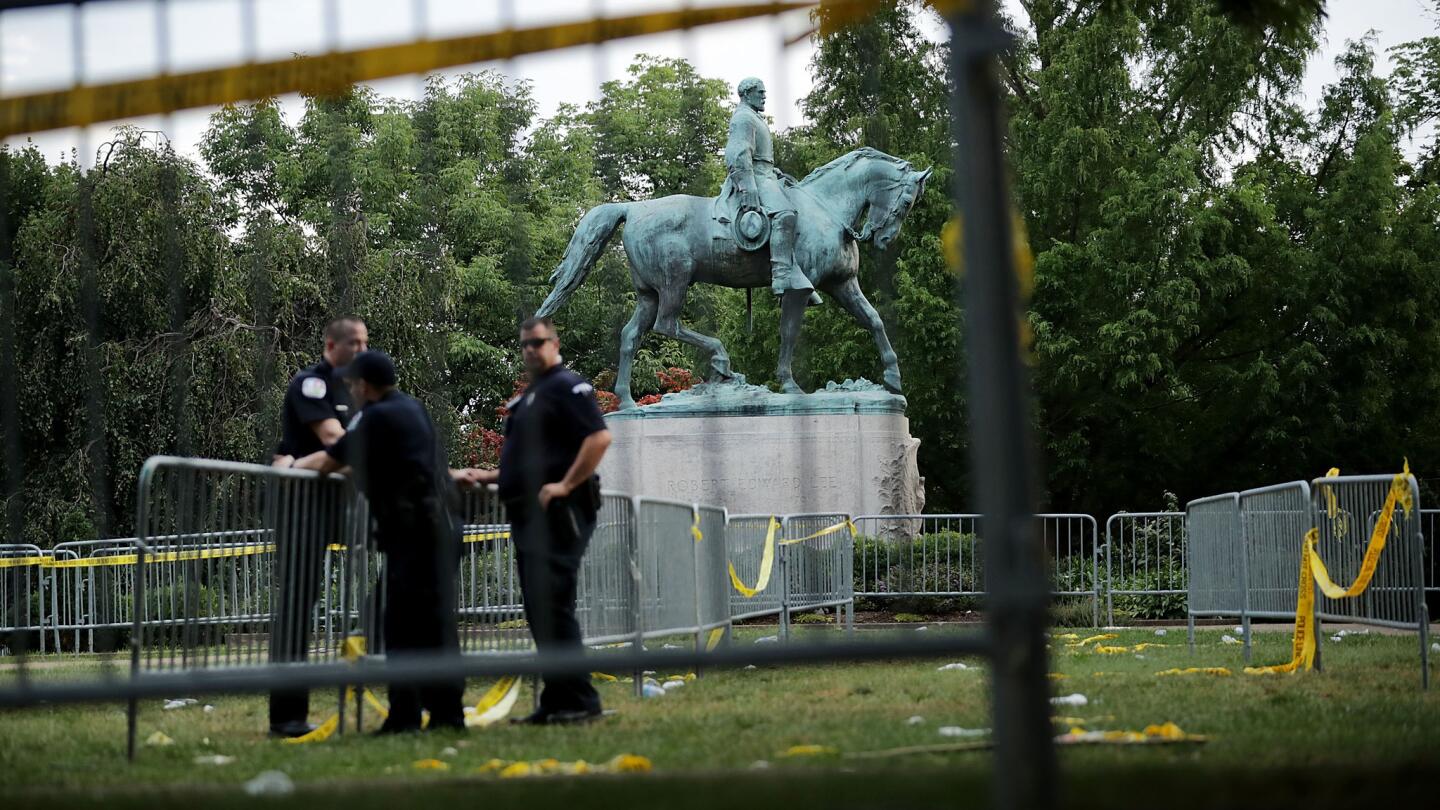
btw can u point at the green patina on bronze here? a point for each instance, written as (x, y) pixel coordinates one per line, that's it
(763, 230)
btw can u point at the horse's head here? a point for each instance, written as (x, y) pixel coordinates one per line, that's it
(893, 193)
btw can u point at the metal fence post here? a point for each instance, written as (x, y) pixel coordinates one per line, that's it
(1025, 763)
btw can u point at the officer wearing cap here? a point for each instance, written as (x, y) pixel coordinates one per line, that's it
(394, 455)
(317, 409)
(555, 437)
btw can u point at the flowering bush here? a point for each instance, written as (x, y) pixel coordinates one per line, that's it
(648, 399)
(608, 402)
(674, 380)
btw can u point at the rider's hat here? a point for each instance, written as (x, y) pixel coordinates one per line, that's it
(751, 229)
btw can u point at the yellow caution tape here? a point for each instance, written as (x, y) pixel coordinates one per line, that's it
(1153, 734)
(1399, 494)
(482, 537)
(1222, 671)
(767, 562)
(808, 751)
(332, 73)
(22, 562)
(324, 731)
(695, 527)
(1302, 643)
(495, 704)
(1084, 641)
(1104, 650)
(603, 676)
(714, 640)
(431, 765)
(621, 763)
(846, 524)
(190, 555)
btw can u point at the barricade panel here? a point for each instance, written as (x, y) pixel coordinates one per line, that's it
(1145, 558)
(1215, 575)
(1275, 520)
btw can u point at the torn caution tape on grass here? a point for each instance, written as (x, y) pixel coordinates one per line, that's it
(809, 751)
(1221, 671)
(495, 704)
(1162, 734)
(512, 769)
(1142, 646)
(1091, 640)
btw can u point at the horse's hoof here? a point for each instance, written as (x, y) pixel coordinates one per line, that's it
(626, 404)
(791, 387)
(892, 381)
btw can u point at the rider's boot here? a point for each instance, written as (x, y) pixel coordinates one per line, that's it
(784, 275)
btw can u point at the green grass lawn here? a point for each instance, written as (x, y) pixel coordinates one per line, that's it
(1360, 731)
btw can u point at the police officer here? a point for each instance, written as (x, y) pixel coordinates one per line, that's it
(555, 437)
(394, 456)
(317, 409)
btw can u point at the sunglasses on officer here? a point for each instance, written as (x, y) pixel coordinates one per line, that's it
(535, 342)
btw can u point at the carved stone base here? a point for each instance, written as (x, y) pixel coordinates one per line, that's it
(846, 449)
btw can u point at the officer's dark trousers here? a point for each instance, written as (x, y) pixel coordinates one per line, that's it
(302, 530)
(420, 618)
(549, 546)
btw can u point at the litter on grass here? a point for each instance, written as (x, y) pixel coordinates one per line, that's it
(915, 720)
(948, 667)
(270, 783)
(1076, 699)
(957, 731)
(1228, 639)
(213, 759)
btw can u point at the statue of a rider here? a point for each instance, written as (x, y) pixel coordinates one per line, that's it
(755, 184)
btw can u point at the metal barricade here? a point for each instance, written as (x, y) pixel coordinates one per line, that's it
(668, 557)
(1144, 560)
(609, 593)
(230, 569)
(1349, 515)
(712, 583)
(22, 572)
(918, 555)
(817, 565)
(1215, 565)
(490, 612)
(1429, 526)
(1275, 520)
(753, 543)
(1073, 543)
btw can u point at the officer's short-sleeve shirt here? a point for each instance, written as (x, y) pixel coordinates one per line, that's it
(544, 430)
(314, 395)
(391, 447)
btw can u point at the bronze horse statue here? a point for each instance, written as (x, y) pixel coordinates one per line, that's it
(676, 241)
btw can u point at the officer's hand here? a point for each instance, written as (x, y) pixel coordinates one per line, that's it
(282, 461)
(749, 199)
(550, 492)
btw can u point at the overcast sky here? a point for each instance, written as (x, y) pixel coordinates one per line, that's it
(122, 39)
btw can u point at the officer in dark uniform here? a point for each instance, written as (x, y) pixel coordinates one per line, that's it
(394, 456)
(317, 409)
(555, 437)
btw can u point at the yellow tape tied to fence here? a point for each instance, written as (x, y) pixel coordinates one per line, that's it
(1302, 645)
(767, 563)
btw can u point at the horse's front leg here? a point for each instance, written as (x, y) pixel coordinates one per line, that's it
(646, 305)
(792, 315)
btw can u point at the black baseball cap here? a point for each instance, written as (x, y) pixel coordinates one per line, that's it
(374, 367)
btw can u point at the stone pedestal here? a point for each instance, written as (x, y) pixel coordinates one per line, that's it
(844, 449)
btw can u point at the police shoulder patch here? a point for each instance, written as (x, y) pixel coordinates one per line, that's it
(582, 388)
(313, 388)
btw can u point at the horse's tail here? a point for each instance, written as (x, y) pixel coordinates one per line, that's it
(591, 236)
